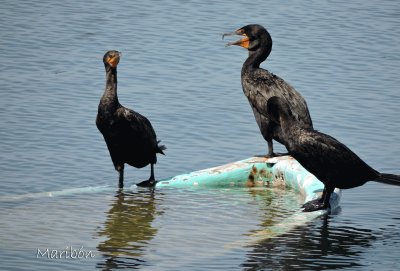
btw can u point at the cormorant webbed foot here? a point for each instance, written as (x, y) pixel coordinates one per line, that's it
(311, 203)
(315, 205)
(263, 155)
(278, 154)
(148, 183)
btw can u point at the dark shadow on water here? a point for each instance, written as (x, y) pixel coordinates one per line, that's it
(128, 229)
(312, 247)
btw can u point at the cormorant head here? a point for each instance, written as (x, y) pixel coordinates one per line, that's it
(255, 36)
(111, 58)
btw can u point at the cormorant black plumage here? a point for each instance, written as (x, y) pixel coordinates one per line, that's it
(129, 136)
(259, 84)
(326, 158)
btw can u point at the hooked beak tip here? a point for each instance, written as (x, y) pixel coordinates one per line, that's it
(229, 34)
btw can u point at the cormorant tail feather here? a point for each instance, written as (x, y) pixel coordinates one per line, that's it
(388, 179)
(161, 148)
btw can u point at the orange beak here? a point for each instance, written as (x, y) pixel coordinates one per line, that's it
(244, 42)
(114, 60)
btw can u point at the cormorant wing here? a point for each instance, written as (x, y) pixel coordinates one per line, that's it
(269, 85)
(324, 154)
(138, 124)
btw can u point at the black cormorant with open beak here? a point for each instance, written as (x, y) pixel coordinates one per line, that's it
(259, 84)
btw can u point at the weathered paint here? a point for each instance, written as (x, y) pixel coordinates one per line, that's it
(283, 171)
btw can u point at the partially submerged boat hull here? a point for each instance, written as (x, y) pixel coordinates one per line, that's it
(283, 171)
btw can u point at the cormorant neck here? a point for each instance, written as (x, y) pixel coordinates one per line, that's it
(258, 54)
(110, 93)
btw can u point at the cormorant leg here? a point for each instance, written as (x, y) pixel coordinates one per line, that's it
(271, 152)
(151, 182)
(120, 170)
(152, 173)
(323, 196)
(270, 149)
(329, 191)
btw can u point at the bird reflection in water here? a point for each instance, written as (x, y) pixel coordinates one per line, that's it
(128, 229)
(312, 247)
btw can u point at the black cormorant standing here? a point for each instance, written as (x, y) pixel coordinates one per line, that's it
(322, 155)
(259, 84)
(129, 136)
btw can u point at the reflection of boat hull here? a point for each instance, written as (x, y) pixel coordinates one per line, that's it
(256, 171)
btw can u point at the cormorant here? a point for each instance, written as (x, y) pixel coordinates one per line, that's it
(259, 84)
(326, 158)
(129, 136)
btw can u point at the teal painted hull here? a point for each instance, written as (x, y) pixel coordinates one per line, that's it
(281, 171)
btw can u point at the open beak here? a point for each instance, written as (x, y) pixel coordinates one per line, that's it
(114, 60)
(244, 42)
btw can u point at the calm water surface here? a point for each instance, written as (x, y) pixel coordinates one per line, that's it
(342, 56)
